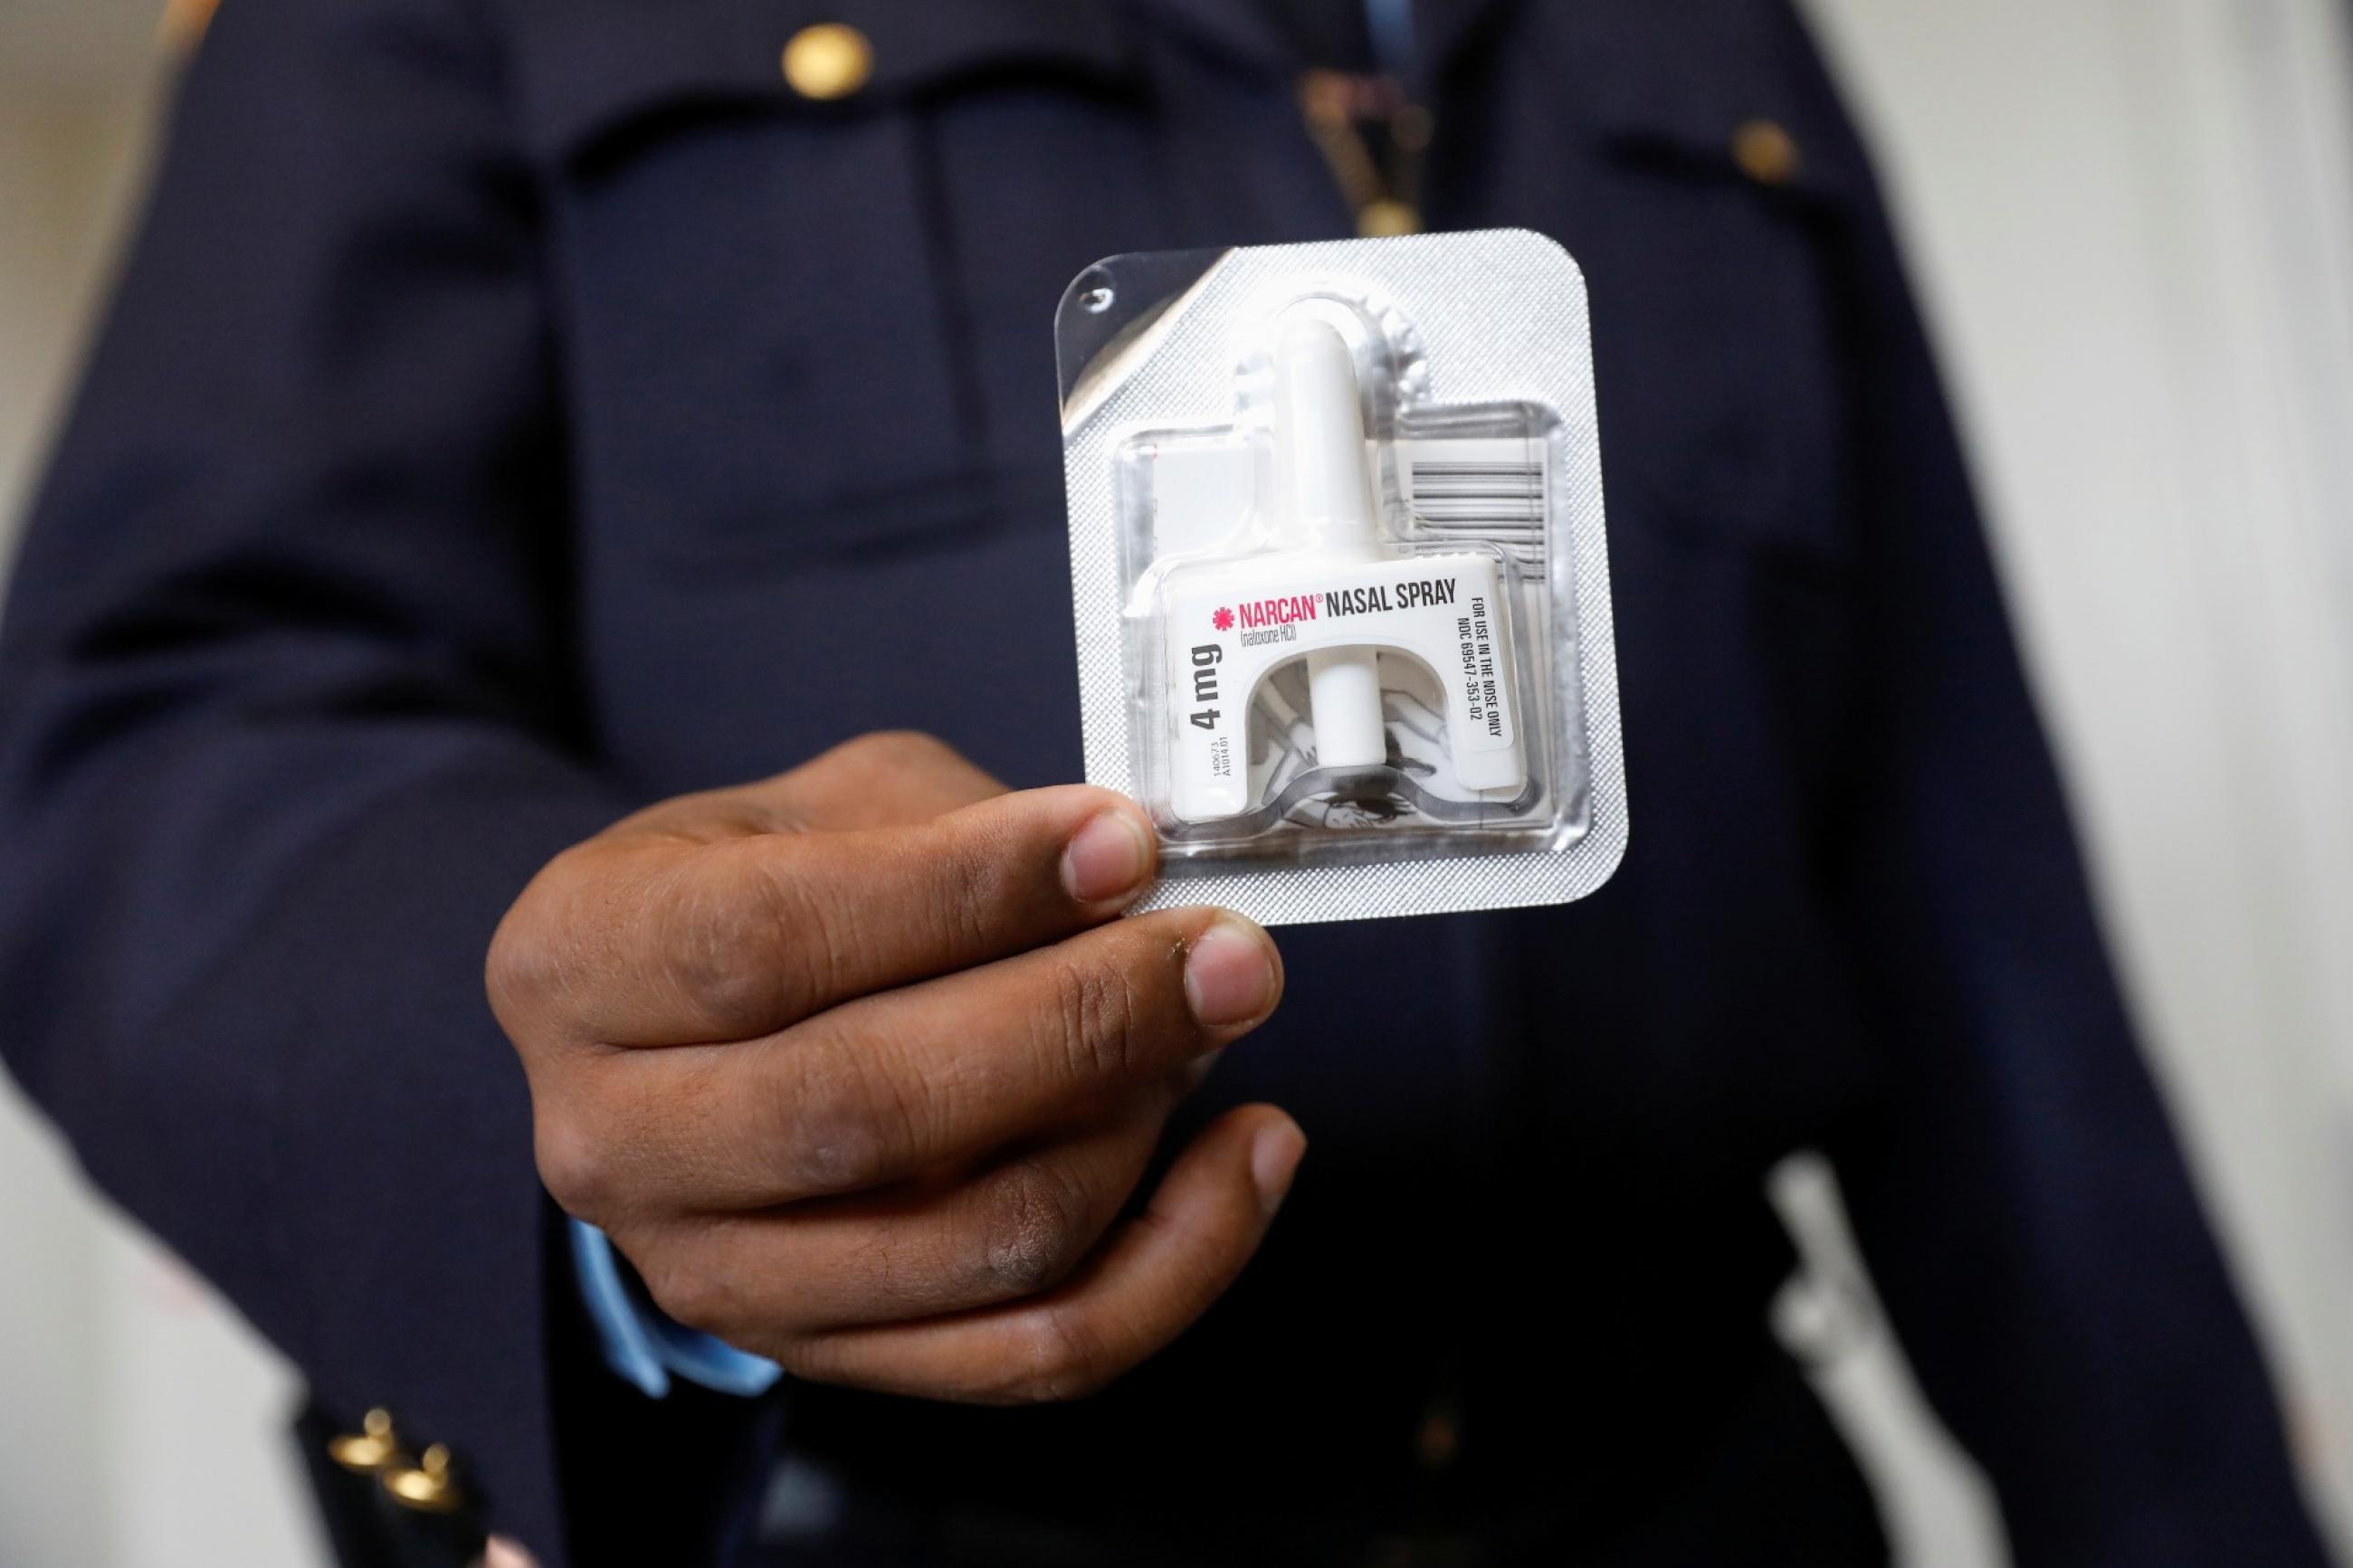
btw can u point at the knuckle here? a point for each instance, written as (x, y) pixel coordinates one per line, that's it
(838, 1130)
(887, 752)
(1095, 1012)
(550, 963)
(905, 748)
(1030, 1239)
(818, 1358)
(703, 1299)
(1053, 1359)
(974, 887)
(811, 930)
(577, 1168)
(524, 965)
(708, 952)
(745, 941)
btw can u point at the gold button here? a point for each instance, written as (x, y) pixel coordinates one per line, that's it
(1439, 1441)
(370, 1448)
(1766, 152)
(425, 1487)
(829, 60)
(1385, 219)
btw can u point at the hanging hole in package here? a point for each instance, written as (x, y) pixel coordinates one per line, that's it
(1341, 574)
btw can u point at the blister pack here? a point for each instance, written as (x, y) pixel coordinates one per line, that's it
(1341, 575)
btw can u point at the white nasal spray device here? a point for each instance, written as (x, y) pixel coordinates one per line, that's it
(1324, 512)
(1334, 586)
(1339, 571)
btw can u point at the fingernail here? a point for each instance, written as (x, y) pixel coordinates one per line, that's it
(1229, 974)
(1274, 1160)
(1108, 858)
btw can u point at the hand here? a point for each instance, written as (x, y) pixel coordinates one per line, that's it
(859, 1068)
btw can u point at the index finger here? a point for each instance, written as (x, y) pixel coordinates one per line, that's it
(890, 778)
(729, 940)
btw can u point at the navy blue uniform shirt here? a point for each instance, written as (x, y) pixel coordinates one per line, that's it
(518, 410)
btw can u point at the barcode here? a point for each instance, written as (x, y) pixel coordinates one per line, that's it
(1501, 500)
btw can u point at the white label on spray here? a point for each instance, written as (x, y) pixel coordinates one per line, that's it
(1229, 629)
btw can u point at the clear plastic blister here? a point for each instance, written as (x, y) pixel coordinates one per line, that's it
(1340, 574)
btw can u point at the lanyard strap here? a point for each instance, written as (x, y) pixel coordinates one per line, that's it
(1370, 129)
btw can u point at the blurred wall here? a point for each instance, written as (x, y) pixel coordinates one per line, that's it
(2131, 219)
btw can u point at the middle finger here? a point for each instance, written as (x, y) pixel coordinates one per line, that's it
(979, 1239)
(889, 1086)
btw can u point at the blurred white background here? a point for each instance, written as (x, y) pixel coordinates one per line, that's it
(2133, 223)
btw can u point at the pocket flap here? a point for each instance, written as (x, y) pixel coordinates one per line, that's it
(1686, 84)
(587, 68)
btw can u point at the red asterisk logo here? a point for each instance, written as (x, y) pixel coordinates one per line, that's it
(1223, 620)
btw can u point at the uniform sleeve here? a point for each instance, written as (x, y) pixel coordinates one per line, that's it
(2018, 1190)
(287, 718)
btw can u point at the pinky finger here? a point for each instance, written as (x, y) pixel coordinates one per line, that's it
(1152, 1278)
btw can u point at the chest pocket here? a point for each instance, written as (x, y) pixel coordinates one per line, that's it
(759, 313)
(1708, 217)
